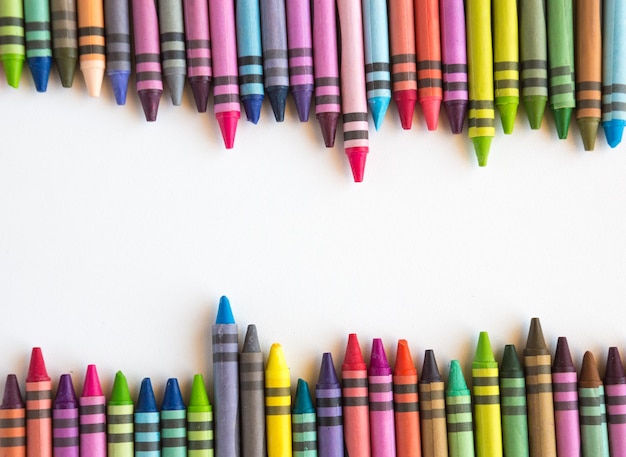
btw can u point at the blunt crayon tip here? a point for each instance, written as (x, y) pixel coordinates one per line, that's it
(252, 105)
(150, 102)
(353, 359)
(511, 365)
(199, 399)
(357, 157)
(430, 371)
(613, 131)
(66, 67)
(146, 401)
(92, 386)
(588, 127)
(278, 100)
(227, 121)
(302, 97)
(379, 366)
(535, 343)
(37, 368)
(482, 144)
(457, 112)
(302, 403)
(172, 398)
(175, 83)
(276, 358)
(589, 375)
(404, 362)
(13, 70)
(508, 112)
(430, 109)
(93, 76)
(484, 353)
(40, 70)
(378, 107)
(251, 341)
(535, 107)
(12, 398)
(456, 381)
(66, 396)
(405, 101)
(614, 373)
(328, 125)
(120, 394)
(562, 357)
(328, 375)
(119, 84)
(224, 312)
(200, 87)
(562, 118)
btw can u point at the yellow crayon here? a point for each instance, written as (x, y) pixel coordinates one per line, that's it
(277, 404)
(506, 61)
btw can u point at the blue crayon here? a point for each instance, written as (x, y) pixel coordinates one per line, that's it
(250, 57)
(147, 423)
(38, 41)
(173, 421)
(614, 71)
(117, 31)
(275, 54)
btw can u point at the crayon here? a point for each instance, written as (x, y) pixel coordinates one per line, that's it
(65, 435)
(172, 37)
(615, 389)
(376, 47)
(277, 404)
(225, 78)
(513, 404)
(65, 39)
(326, 69)
(38, 41)
(250, 57)
(540, 404)
(117, 37)
(487, 414)
(226, 381)
(303, 422)
(173, 421)
(454, 62)
(481, 124)
(382, 425)
(564, 382)
(506, 61)
(198, 47)
(92, 405)
(592, 409)
(147, 423)
(120, 410)
(353, 92)
(406, 404)
(91, 49)
(561, 63)
(275, 54)
(329, 411)
(428, 45)
(433, 430)
(534, 59)
(588, 49)
(12, 420)
(356, 419)
(252, 395)
(459, 414)
(300, 54)
(199, 421)
(147, 57)
(12, 48)
(38, 408)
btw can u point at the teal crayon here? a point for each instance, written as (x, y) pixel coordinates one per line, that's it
(303, 422)
(459, 414)
(173, 421)
(513, 404)
(38, 41)
(147, 423)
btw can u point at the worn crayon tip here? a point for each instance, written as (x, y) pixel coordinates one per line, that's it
(224, 312)
(535, 107)
(175, 83)
(457, 112)
(302, 97)
(119, 84)
(93, 76)
(278, 100)
(353, 360)
(405, 101)
(150, 99)
(146, 401)
(251, 341)
(172, 398)
(482, 144)
(227, 121)
(120, 394)
(562, 357)
(430, 371)
(40, 70)
(199, 399)
(588, 131)
(562, 118)
(12, 398)
(508, 112)
(511, 366)
(589, 375)
(378, 107)
(92, 386)
(302, 403)
(13, 70)
(484, 353)
(613, 131)
(456, 381)
(252, 105)
(357, 157)
(67, 70)
(379, 366)
(66, 396)
(200, 88)
(430, 109)
(37, 369)
(328, 375)
(535, 343)
(276, 358)
(614, 373)
(328, 125)
(404, 362)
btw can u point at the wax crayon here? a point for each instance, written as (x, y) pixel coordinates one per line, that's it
(120, 409)
(615, 389)
(376, 53)
(561, 63)
(534, 60)
(172, 37)
(173, 421)
(329, 411)
(225, 79)
(454, 62)
(226, 381)
(592, 410)
(428, 45)
(275, 55)
(403, 59)
(250, 57)
(506, 61)
(12, 48)
(481, 125)
(356, 421)
(199, 421)
(459, 414)
(147, 57)
(277, 404)
(65, 39)
(91, 44)
(540, 404)
(405, 404)
(38, 407)
(147, 423)
(487, 413)
(382, 425)
(433, 430)
(198, 46)
(65, 435)
(12, 420)
(564, 381)
(513, 404)
(300, 54)
(353, 92)
(326, 69)
(38, 41)
(252, 395)
(303, 422)
(93, 439)
(117, 37)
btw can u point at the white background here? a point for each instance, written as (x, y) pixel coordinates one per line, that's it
(118, 237)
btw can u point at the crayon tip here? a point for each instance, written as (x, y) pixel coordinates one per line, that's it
(456, 111)
(614, 373)
(430, 371)
(67, 69)
(175, 83)
(224, 312)
(456, 380)
(613, 131)
(119, 84)
(40, 70)
(66, 396)
(278, 99)
(508, 112)
(200, 88)
(37, 369)
(146, 401)
(276, 358)
(12, 398)
(357, 157)
(150, 102)
(120, 394)
(251, 341)
(511, 366)
(379, 366)
(535, 108)
(302, 97)
(562, 118)
(328, 375)
(302, 403)
(378, 107)
(92, 387)
(353, 360)
(484, 353)
(13, 70)
(252, 106)
(482, 144)
(405, 101)
(430, 109)
(404, 362)
(535, 343)
(589, 375)
(93, 76)
(199, 397)
(562, 357)
(227, 121)
(328, 125)
(588, 127)
(172, 398)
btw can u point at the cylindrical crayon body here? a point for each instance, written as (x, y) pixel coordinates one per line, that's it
(533, 56)
(514, 415)
(252, 397)
(278, 406)
(147, 434)
(614, 71)
(147, 48)
(406, 415)
(117, 29)
(249, 50)
(65, 434)
(566, 413)
(616, 414)
(300, 46)
(274, 38)
(330, 441)
(198, 38)
(487, 414)
(325, 58)
(93, 439)
(172, 36)
(39, 418)
(540, 404)
(174, 433)
(13, 422)
(561, 53)
(200, 433)
(382, 426)
(304, 429)
(593, 426)
(376, 49)
(37, 24)
(459, 420)
(428, 46)
(588, 59)
(506, 61)
(120, 430)
(433, 428)
(91, 44)
(65, 38)
(12, 46)
(402, 46)
(356, 427)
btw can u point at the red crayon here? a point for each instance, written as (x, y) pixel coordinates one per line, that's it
(356, 423)
(406, 406)
(93, 439)
(12, 420)
(38, 408)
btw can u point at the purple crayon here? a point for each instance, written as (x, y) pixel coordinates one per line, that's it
(329, 412)
(300, 54)
(615, 389)
(65, 436)
(198, 45)
(382, 424)
(564, 386)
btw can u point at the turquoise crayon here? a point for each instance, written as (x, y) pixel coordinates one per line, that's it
(38, 41)
(147, 423)
(459, 414)
(250, 57)
(303, 422)
(513, 405)
(173, 421)
(614, 71)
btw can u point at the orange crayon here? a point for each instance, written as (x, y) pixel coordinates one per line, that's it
(12, 420)
(405, 403)
(91, 48)
(38, 408)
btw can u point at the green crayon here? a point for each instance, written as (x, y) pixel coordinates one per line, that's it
(506, 61)
(199, 421)
(513, 400)
(120, 425)
(12, 47)
(459, 414)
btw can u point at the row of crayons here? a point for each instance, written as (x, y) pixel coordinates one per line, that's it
(431, 51)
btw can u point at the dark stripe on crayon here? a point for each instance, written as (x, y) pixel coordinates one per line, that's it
(147, 58)
(38, 414)
(34, 395)
(120, 419)
(488, 380)
(561, 89)
(460, 427)
(483, 104)
(12, 423)
(11, 21)
(404, 76)
(538, 369)
(118, 38)
(199, 62)
(410, 407)
(334, 421)
(222, 81)
(429, 82)
(507, 84)
(148, 76)
(403, 58)
(617, 418)
(224, 356)
(37, 26)
(277, 71)
(275, 54)
(225, 338)
(304, 445)
(513, 410)
(250, 60)
(405, 388)
(62, 15)
(13, 442)
(588, 402)
(428, 65)
(534, 82)
(174, 442)
(327, 99)
(147, 446)
(278, 410)
(250, 367)
(149, 427)
(589, 85)
(251, 385)
(66, 442)
(438, 413)
(12, 40)
(304, 427)
(460, 408)
(92, 409)
(482, 122)
(610, 400)
(199, 445)
(560, 71)
(534, 65)
(173, 423)
(300, 52)
(618, 106)
(354, 401)
(201, 426)
(619, 88)
(376, 66)
(331, 402)
(505, 66)
(120, 438)
(93, 428)
(277, 392)
(565, 387)
(173, 54)
(512, 391)
(198, 44)
(91, 49)
(354, 382)
(380, 387)
(581, 104)
(302, 70)
(486, 399)
(172, 36)
(565, 405)
(347, 136)
(90, 31)
(372, 85)
(592, 420)
(250, 79)
(118, 55)
(454, 86)
(65, 423)
(381, 405)
(455, 68)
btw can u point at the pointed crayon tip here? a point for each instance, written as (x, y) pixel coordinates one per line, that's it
(67, 70)
(172, 398)
(511, 365)
(563, 362)
(92, 386)
(484, 353)
(252, 105)
(302, 98)
(353, 359)
(13, 71)
(12, 398)
(276, 358)
(302, 403)
(379, 366)
(251, 341)
(508, 112)
(37, 368)
(430, 109)
(456, 381)
(562, 119)
(200, 88)
(589, 375)
(405, 101)
(120, 394)
(146, 401)
(613, 131)
(119, 84)
(430, 371)
(93, 77)
(404, 362)
(357, 157)
(482, 144)
(535, 107)
(535, 343)
(199, 399)
(278, 100)
(224, 312)
(40, 70)
(150, 99)
(457, 112)
(66, 396)
(614, 373)
(328, 375)
(588, 131)
(227, 121)
(378, 107)
(328, 125)
(175, 83)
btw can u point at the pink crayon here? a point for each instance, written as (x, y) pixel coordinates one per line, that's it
(565, 388)
(356, 424)
(300, 54)
(93, 439)
(198, 47)
(382, 424)
(38, 408)
(615, 389)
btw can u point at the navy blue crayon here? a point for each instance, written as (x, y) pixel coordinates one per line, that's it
(147, 423)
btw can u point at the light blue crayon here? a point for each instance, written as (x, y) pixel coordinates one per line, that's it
(38, 41)
(377, 74)
(250, 57)
(147, 423)
(614, 71)
(275, 57)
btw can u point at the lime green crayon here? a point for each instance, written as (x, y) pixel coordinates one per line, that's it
(12, 48)
(120, 428)
(487, 415)
(506, 61)
(459, 414)
(513, 399)
(199, 421)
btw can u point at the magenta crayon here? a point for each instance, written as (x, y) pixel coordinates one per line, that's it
(615, 390)
(406, 405)
(564, 386)
(93, 438)
(38, 408)
(329, 411)
(65, 438)
(198, 45)
(356, 422)
(300, 53)
(382, 425)
(12, 420)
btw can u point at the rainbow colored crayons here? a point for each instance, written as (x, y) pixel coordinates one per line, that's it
(65, 434)
(12, 48)
(38, 408)
(147, 423)
(356, 422)
(65, 39)
(277, 404)
(329, 412)
(93, 437)
(12, 420)
(120, 410)
(198, 48)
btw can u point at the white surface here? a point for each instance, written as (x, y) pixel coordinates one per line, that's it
(117, 238)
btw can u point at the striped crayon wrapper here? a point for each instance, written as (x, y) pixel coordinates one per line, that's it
(565, 387)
